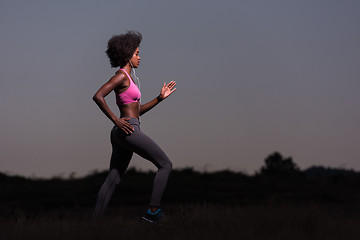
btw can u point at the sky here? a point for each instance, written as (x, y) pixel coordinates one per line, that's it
(253, 77)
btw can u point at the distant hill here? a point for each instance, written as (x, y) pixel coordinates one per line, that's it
(327, 171)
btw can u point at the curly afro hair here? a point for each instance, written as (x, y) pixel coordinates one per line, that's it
(122, 47)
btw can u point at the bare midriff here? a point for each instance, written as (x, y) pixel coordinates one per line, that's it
(130, 110)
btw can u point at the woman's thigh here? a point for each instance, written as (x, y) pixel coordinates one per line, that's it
(144, 146)
(139, 143)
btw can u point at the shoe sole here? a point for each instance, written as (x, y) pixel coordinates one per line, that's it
(148, 220)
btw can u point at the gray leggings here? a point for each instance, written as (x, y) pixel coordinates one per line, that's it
(123, 147)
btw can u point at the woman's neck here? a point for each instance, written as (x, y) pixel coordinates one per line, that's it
(127, 68)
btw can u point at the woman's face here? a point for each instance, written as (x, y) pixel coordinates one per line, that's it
(135, 60)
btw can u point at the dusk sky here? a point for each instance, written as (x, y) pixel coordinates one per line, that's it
(253, 77)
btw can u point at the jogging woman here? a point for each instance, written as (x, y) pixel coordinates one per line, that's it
(126, 136)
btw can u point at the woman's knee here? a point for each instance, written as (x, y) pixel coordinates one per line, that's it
(170, 165)
(167, 165)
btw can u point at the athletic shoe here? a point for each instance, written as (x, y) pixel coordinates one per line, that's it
(153, 217)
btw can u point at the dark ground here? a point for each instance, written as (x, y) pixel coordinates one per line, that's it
(192, 221)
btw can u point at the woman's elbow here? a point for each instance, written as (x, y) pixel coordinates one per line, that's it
(96, 98)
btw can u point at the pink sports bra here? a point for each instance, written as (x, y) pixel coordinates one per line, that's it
(130, 95)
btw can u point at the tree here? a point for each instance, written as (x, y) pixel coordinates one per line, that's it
(275, 164)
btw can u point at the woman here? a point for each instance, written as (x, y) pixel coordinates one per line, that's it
(126, 136)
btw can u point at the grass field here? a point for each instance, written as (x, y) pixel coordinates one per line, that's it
(190, 221)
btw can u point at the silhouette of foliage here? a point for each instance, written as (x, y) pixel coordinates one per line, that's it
(275, 164)
(280, 180)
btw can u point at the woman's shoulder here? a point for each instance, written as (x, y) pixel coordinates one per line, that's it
(119, 71)
(119, 77)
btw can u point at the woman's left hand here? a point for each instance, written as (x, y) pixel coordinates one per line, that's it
(167, 89)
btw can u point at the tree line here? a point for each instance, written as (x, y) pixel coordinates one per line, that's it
(279, 180)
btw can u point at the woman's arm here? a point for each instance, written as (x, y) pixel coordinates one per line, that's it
(166, 91)
(99, 98)
(147, 106)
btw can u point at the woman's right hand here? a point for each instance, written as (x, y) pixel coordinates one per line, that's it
(123, 124)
